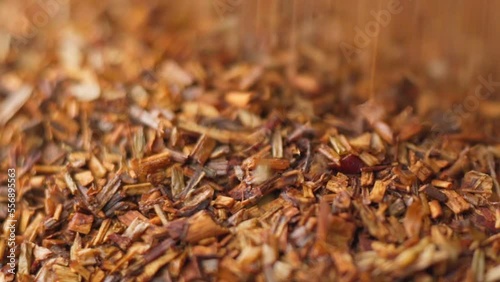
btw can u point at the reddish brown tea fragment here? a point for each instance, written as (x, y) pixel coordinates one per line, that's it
(442, 184)
(84, 178)
(435, 209)
(422, 171)
(456, 202)
(350, 164)
(434, 193)
(203, 149)
(202, 226)
(152, 163)
(81, 223)
(378, 191)
(413, 219)
(330, 154)
(275, 163)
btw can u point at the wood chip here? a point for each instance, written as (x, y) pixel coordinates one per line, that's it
(435, 209)
(434, 193)
(203, 149)
(456, 202)
(152, 142)
(238, 99)
(84, 178)
(152, 163)
(202, 226)
(442, 184)
(378, 191)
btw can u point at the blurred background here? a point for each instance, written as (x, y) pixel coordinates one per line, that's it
(444, 45)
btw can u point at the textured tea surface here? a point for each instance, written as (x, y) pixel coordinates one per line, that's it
(143, 156)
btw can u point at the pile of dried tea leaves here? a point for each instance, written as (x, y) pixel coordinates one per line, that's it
(140, 157)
